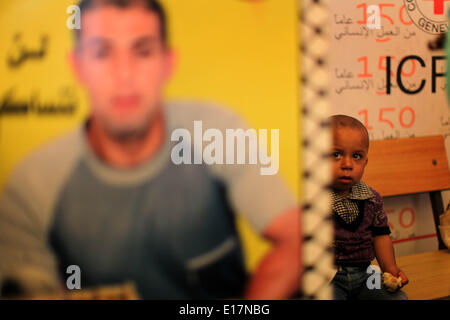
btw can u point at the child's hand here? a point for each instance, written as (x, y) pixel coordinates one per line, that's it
(404, 277)
(398, 273)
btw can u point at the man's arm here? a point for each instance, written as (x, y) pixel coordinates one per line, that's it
(384, 252)
(25, 258)
(26, 205)
(278, 275)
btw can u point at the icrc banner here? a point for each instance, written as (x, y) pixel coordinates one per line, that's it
(384, 73)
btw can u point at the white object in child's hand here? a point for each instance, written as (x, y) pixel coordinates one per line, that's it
(391, 283)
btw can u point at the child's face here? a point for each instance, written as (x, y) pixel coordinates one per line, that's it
(349, 158)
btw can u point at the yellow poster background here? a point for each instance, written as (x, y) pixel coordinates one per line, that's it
(240, 53)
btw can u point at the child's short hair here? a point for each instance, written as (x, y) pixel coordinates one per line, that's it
(343, 121)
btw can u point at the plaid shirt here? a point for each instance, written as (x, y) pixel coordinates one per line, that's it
(358, 218)
(346, 207)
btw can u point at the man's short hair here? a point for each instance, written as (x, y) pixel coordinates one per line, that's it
(343, 121)
(151, 5)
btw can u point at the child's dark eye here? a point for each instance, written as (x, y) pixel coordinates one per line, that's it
(357, 156)
(336, 155)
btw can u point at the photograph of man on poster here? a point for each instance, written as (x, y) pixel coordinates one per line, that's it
(109, 199)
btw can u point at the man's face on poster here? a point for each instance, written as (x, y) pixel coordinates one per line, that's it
(124, 64)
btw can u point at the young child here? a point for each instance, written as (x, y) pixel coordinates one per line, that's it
(361, 225)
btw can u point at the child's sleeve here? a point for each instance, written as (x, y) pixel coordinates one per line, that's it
(380, 224)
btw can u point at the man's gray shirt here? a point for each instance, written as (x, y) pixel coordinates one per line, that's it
(168, 228)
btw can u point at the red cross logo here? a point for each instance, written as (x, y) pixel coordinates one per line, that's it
(438, 6)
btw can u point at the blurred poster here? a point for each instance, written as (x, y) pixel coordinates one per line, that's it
(240, 54)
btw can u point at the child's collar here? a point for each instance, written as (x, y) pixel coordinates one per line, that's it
(360, 191)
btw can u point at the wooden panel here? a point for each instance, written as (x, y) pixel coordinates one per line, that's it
(405, 166)
(428, 274)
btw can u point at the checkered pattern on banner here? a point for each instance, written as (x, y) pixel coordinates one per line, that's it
(317, 223)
